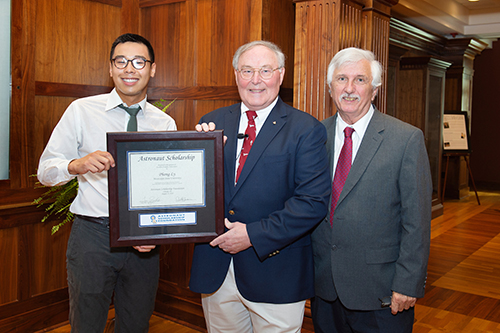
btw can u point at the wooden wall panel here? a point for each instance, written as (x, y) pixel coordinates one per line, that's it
(352, 25)
(49, 258)
(46, 121)
(411, 94)
(279, 31)
(315, 44)
(23, 85)
(205, 106)
(77, 49)
(322, 29)
(9, 263)
(170, 29)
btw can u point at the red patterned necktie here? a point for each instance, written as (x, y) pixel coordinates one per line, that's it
(250, 134)
(342, 169)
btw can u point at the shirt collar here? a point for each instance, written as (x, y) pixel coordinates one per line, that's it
(359, 127)
(114, 100)
(265, 110)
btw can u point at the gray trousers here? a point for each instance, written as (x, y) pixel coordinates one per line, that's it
(98, 274)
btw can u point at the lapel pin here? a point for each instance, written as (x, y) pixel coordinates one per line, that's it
(274, 122)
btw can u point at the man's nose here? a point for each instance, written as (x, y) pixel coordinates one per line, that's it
(129, 68)
(256, 77)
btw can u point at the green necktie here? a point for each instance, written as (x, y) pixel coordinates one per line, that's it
(132, 123)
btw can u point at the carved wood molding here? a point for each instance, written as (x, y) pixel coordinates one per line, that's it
(142, 3)
(409, 37)
(151, 3)
(154, 93)
(191, 93)
(68, 90)
(117, 3)
(194, 93)
(366, 2)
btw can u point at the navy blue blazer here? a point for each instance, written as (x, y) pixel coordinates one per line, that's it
(282, 194)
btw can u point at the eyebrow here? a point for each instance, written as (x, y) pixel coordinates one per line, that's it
(136, 56)
(356, 77)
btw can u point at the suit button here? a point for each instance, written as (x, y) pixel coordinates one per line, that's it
(231, 212)
(334, 247)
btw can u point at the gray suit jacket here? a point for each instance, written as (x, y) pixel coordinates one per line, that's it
(380, 238)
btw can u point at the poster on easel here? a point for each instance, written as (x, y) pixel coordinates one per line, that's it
(455, 133)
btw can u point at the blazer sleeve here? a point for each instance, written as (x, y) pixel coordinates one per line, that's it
(416, 210)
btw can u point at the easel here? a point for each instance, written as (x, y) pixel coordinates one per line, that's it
(465, 155)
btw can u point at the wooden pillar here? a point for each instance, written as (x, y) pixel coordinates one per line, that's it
(420, 102)
(461, 53)
(322, 28)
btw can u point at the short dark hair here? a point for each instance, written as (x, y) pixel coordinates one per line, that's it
(125, 38)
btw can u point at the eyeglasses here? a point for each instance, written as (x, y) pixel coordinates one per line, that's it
(265, 72)
(122, 62)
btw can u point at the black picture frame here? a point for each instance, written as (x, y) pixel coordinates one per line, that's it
(129, 222)
(456, 132)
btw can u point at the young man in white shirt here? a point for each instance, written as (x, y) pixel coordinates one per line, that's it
(77, 148)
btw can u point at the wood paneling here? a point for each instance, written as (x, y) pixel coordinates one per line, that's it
(76, 50)
(322, 28)
(23, 85)
(48, 258)
(314, 30)
(8, 259)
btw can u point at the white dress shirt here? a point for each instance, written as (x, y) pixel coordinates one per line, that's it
(357, 136)
(259, 122)
(82, 130)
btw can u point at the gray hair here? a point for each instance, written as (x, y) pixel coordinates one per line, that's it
(352, 55)
(280, 56)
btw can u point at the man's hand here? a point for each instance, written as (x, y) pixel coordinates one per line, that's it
(144, 248)
(95, 162)
(400, 302)
(235, 239)
(204, 127)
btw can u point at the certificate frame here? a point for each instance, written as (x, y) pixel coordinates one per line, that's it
(149, 206)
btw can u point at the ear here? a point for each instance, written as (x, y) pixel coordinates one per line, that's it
(282, 75)
(374, 94)
(110, 69)
(153, 69)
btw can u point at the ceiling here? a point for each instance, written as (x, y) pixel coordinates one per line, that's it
(453, 18)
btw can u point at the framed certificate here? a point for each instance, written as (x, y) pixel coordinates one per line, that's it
(166, 187)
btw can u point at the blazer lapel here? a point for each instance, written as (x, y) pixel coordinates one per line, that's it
(273, 124)
(330, 142)
(231, 126)
(369, 146)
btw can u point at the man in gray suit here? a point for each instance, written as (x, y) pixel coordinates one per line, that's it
(371, 250)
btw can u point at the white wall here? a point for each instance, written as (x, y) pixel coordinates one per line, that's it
(5, 87)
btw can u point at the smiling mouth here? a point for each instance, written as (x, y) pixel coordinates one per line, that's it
(256, 90)
(130, 80)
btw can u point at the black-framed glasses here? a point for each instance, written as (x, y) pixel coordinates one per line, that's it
(265, 72)
(122, 62)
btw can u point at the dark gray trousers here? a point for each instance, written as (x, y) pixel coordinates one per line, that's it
(334, 317)
(98, 274)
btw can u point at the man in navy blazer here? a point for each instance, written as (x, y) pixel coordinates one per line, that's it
(258, 274)
(374, 243)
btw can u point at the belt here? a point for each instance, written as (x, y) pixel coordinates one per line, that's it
(104, 221)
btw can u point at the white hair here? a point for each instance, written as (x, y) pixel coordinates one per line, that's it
(353, 55)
